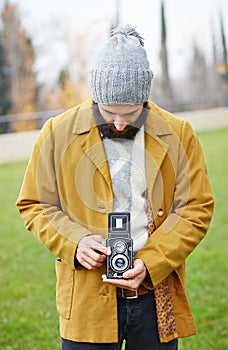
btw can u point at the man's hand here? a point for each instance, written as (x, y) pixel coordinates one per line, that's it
(132, 278)
(91, 253)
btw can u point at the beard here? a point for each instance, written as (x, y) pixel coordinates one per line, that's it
(109, 131)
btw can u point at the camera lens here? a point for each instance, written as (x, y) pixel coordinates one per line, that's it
(120, 263)
(120, 247)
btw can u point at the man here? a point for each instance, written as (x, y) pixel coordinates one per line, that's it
(119, 152)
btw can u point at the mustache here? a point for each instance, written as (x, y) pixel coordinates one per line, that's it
(108, 130)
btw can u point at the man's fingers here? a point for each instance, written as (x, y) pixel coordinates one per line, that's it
(91, 253)
(138, 269)
(132, 278)
(95, 242)
(92, 260)
(102, 250)
(131, 284)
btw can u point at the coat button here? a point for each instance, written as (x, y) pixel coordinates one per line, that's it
(160, 212)
(102, 207)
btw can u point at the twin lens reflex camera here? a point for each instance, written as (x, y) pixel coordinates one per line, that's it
(121, 244)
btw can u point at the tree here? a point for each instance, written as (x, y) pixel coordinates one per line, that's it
(68, 93)
(214, 47)
(116, 20)
(20, 57)
(224, 59)
(198, 73)
(72, 86)
(4, 81)
(166, 83)
(4, 88)
(215, 81)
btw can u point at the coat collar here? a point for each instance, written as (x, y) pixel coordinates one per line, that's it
(85, 119)
(154, 126)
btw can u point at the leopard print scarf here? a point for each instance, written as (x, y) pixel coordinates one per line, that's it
(163, 301)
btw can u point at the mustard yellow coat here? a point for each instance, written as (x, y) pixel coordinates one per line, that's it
(67, 193)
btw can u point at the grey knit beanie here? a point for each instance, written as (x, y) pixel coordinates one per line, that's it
(121, 73)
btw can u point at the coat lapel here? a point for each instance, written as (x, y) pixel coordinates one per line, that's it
(93, 147)
(91, 142)
(156, 148)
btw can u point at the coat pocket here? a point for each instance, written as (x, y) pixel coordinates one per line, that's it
(64, 288)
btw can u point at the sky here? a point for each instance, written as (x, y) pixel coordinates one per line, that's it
(187, 20)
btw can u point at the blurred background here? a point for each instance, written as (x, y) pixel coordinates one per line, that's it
(47, 47)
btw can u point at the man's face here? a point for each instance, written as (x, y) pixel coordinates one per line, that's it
(120, 121)
(119, 117)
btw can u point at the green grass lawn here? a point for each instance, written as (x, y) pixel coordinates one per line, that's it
(28, 318)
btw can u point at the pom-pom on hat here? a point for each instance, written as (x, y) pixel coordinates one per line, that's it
(121, 72)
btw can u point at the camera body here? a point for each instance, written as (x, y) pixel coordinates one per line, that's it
(121, 244)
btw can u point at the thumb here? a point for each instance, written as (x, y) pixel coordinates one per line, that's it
(100, 246)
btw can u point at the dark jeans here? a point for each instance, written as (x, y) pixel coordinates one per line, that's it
(137, 325)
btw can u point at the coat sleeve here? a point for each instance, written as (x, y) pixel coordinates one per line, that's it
(39, 203)
(189, 218)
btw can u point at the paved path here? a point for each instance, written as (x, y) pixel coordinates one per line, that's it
(18, 146)
(208, 119)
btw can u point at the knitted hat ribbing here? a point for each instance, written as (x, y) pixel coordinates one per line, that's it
(121, 73)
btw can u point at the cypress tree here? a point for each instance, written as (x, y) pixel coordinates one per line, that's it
(5, 104)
